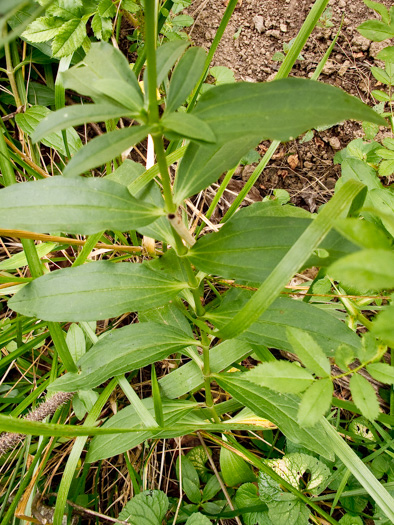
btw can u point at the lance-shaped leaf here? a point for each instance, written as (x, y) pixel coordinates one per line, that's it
(105, 148)
(77, 115)
(95, 291)
(113, 444)
(185, 77)
(280, 409)
(121, 351)
(102, 62)
(279, 110)
(188, 126)
(250, 245)
(281, 376)
(270, 329)
(82, 206)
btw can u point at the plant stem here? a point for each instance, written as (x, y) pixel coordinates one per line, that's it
(207, 377)
(11, 76)
(164, 174)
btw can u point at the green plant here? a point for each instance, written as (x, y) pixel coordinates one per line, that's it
(175, 292)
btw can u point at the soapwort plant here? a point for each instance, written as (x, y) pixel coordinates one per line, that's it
(258, 249)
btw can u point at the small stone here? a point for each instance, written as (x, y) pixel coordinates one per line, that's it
(274, 33)
(259, 23)
(335, 143)
(375, 47)
(308, 165)
(342, 4)
(292, 161)
(330, 183)
(360, 43)
(283, 28)
(329, 68)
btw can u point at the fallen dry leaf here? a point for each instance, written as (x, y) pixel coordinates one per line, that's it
(292, 161)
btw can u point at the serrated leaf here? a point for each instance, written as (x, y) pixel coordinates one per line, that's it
(382, 372)
(102, 27)
(234, 469)
(281, 376)
(82, 206)
(315, 402)
(277, 110)
(104, 148)
(95, 291)
(222, 75)
(76, 343)
(380, 9)
(250, 245)
(309, 351)
(30, 119)
(69, 38)
(185, 77)
(106, 9)
(281, 409)
(121, 351)
(386, 54)
(42, 29)
(364, 396)
(376, 30)
(147, 508)
(366, 270)
(187, 125)
(107, 446)
(270, 329)
(75, 116)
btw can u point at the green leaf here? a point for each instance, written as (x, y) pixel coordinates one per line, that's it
(65, 9)
(250, 245)
(278, 110)
(309, 351)
(315, 402)
(185, 77)
(234, 469)
(19, 259)
(211, 488)
(270, 329)
(366, 270)
(106, 446)
(95, 291)
(380, 9)
(376, 30)
(106, 9)
(382, 372)
(188, 126)
(382, 326)
(348, 519)
(189, 377)
(166, 56)
(105, 148)
(102, 62)
(147, 508)
(121, 93)
(76, 343)
(386, 54)
(281, 376)
(102, 27)
(280, 409)
(292, 468)
(192, 491)
(82, 206)
(69, 37)
(364, 234)
(198, 458)
(182, 21)
(222, 75)
(198, 519)
(344, 355)
(380, 75)
(29, 121)
(121, 351)
(190, 480)
(364, 396)
(75, 116)
(42, 29)
(246, 496)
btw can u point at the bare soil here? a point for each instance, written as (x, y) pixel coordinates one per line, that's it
(257, 30)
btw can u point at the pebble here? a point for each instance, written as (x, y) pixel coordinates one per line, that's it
(335, 143)
(360, 43)
(275, 33)
(283, 28)
(259, 23)
(375, 47)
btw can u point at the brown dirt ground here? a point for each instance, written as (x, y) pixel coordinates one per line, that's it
(255, 32)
